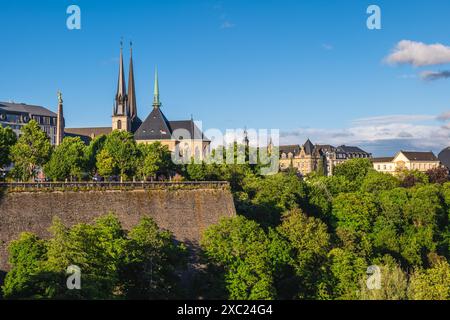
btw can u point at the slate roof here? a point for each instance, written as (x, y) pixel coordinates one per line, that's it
(309, 147)
(157, 127)
(86, 134)
(383, 159)
(294, 149)
(419, 156)
(25, 108)
(351, 149)
(444, 157)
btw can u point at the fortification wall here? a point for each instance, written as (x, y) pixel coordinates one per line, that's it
(185, 212)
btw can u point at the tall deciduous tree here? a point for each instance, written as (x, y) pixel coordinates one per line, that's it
(7, 140)
(309, 242)
(153, 159)
(91, 152)
(238, 247)
(67, 161)
(32, 150)
(119, 155)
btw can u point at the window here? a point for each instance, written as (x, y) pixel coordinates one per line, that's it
(119, 124)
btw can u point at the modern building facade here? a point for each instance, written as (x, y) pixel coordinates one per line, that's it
(308, 157)
(406, 160)
(16, 115)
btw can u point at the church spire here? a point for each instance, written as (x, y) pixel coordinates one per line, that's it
(121, 96)
(131, 90)
(156, 102)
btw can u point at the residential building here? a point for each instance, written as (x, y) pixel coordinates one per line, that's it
(309, 157)
(16, 115)
(406, 160)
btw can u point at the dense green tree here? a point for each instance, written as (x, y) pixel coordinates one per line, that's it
(432, 283)
(272, 195)
(354, 214)
(32, 150)
(112, 264)
(321, 192)
(67, 160)
(238, 247)
(151, 263)
(393, 282)
(309, 242)
(7, 140)
(154, 159)
(410, 178)
(26, 255)
(91, 152)
(105, 163)
(119, 155)
(345, 271)
(375, 182)
(354, 170)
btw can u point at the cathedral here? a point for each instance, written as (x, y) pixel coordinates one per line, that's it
(182, 135)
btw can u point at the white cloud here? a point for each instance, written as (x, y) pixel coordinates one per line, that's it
(419, 54)
(389, 119)
(444, 116)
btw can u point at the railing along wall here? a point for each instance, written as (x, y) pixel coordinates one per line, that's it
(112, 185)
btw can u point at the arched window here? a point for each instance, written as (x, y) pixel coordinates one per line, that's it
(119, 124)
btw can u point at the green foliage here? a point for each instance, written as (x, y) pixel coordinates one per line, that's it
(410, 178)
(67, 161)
(432, 283)
(113, 264)
(31, 151)
(153, 159)
(7, 140)
(91, 152)
(272, 195)
(354, 170)
(308, 242)
(438, 175)
(26, 255)
(393, 282)
(354, 214)
(375, 182)
(119, 155)
(238, 247)
(345, 271)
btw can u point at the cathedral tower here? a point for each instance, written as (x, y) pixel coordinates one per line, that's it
(121, 114)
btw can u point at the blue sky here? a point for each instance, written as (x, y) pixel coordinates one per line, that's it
(310, 68)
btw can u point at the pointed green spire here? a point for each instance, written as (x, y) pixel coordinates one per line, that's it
(156, 102)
